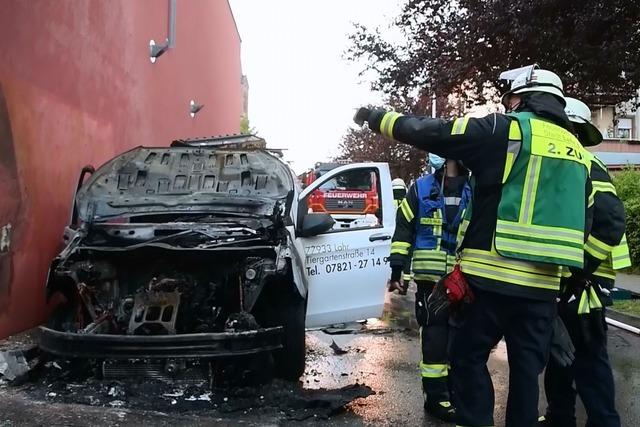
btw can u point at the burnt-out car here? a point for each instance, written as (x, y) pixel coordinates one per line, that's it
(206, 249)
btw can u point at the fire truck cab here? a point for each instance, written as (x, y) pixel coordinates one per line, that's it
(350, 198)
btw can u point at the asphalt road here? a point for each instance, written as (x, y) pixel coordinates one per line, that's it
(383, 354)
(630, 282)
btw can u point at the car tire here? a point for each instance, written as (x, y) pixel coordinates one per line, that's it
(290, 361)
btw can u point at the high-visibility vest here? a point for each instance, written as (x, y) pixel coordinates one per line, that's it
(541, 215)
(517, 253)
(436, 240)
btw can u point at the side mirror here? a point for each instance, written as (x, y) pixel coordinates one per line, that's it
(315, 223)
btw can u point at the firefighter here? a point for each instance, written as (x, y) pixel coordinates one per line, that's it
(584, 297)
(527, 223)
(399, 191)
(427, 225)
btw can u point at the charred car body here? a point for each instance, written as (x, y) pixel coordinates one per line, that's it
(191, 251)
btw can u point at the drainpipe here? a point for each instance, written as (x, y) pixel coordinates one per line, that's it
(156, 50)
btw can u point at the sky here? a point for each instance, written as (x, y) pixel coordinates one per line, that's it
(302, 93)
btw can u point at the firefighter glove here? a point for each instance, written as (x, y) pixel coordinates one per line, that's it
(398, 285)
(562, 349)
(438, 304)
(362, 115)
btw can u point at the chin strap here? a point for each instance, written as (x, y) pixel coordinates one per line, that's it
(515, 108)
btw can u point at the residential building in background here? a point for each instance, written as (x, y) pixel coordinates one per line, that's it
(620, 127)
(617, 122)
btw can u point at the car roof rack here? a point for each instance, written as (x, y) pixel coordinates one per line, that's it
(230, 141)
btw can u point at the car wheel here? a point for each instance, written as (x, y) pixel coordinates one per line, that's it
(289, 362)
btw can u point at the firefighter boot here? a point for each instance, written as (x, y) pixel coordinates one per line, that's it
(444, 411)
(436, 399)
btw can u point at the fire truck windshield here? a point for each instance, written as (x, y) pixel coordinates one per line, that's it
(351, 180)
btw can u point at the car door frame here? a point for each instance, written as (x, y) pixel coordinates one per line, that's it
(385, 229)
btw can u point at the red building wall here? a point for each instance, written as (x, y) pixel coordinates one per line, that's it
(77, 87)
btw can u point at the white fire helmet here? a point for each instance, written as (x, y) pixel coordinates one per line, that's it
(398, 184)
(533, 79)
(580, 114)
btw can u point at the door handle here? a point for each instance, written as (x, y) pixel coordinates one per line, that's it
(379, 236)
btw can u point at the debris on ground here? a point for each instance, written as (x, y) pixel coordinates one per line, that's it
(357, 329)
(16, 364)
(61, 381)
(295, 402)
(336, 349)
(344, 328)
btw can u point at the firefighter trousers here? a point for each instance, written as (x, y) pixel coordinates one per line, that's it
(434, 366)
(526, 325)
(591, 374)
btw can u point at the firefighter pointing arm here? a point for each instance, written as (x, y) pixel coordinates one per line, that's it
(527, 225)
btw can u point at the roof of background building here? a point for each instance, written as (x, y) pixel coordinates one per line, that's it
(616, 159)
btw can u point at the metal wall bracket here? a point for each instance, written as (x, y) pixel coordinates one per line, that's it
(156, 49)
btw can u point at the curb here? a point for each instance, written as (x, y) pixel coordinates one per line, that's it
(623, 317)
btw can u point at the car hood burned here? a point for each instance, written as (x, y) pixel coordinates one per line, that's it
(148, 181)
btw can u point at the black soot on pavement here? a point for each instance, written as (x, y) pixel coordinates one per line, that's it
(82, 382)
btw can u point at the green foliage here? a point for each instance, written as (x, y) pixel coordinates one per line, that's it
(245, 127)
(627, 185)
(631, 306)
(458, 47)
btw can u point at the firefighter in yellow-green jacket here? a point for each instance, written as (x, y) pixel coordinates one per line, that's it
(585, 295)
(527, 223)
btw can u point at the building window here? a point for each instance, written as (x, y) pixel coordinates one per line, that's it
(624, 128)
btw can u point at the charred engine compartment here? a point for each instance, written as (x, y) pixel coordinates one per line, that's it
(176, 293)
(136, 301)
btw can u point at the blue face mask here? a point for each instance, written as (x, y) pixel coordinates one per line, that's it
(435, 161)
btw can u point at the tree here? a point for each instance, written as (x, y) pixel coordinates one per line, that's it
(245, 127)
(362, 145)
(462, 46)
